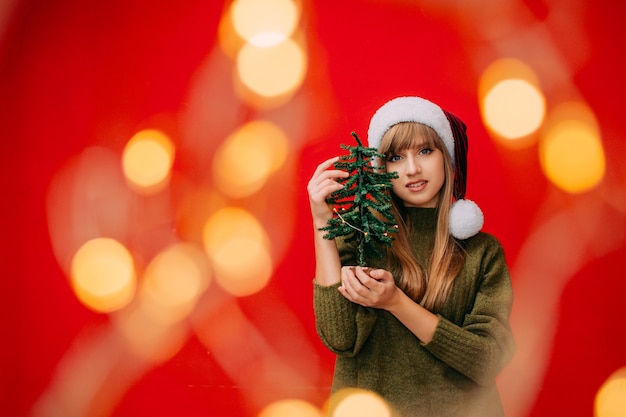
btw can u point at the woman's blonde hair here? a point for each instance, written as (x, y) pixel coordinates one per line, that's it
(429, 284)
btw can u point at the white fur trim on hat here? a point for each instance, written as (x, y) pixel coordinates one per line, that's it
(410, 109)
(466, 219)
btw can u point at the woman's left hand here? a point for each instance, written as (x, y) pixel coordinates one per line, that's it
(368, 287)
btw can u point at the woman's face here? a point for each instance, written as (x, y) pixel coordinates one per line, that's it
(420, 174)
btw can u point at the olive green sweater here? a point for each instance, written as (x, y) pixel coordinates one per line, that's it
(452, 375)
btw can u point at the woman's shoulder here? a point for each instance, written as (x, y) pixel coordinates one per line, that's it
(482, 241)
(484, 252)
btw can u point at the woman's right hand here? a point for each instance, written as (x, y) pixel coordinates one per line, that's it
(321, 185)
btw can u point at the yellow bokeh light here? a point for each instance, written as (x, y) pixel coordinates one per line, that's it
(290, 408)
(610, 400)
(514, 108)
(511, 102)
(271, 71)
(150, 339)
(244, 162)
(147, 160)
(229, 40)
(352, 402)
(571, 151)
(238, 247)
(173, 281)
(103, 275)
(264, 22)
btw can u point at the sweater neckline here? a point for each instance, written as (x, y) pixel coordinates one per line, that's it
(423, 219)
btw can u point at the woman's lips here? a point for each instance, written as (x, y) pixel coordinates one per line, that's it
(416, 186)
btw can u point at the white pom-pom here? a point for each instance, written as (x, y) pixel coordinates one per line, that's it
(466, 219)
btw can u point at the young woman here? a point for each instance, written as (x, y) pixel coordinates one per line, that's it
(427, 326)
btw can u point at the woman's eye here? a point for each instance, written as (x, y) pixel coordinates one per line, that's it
(394, 158)
(426, 151)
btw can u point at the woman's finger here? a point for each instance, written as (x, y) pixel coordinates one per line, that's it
(325, 178)
(325, 165)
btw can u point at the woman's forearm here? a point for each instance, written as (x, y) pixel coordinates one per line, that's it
(421, 322)
(327, 262)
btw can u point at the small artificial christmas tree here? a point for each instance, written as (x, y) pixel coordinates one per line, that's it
(363, 205)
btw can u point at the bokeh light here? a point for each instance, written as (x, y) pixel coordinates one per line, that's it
(351, 402)
(147, 160)
(610, 400)
(247, 157)
(173, 281)
(238, 247)
(230, 41)
(264, 22)
(290, 408)
(265, 348)
(87, 198)
(271, 71)
(512, 105)
(103, 275)
(151, 340)
(571, 151)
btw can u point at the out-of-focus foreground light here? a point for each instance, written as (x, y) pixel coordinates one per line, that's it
(103, 275)
(351, 402)
(610, 400)
(173, 281)
(264, 22)
(571, 151)
(246, 159)
(88, 197)
(154, 327)
(147, 160)
(512, 105)
(238, 248)
(261, 36)
(230, 41)
(149, 339)
(290, 408)
(271, 71)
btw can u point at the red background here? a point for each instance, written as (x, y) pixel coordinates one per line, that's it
(78, 73)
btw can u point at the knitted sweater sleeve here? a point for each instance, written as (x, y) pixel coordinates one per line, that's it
(342, 325)
(482, 344)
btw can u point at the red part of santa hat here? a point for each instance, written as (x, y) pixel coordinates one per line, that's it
(466, 218)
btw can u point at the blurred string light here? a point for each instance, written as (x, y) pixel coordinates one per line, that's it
(103, 275)
(151, 315)
(153, 327)
(283, 362)
(247, 158)
(173, 281)
(147, 160)
(512, 104)
(88, 198)
(351, 402)
(264, 22)
(571, 151)
(270, 58)
(152, 341)
(271, 71)
(290, 408)
(238, 247)
(610, 400)
(513, 108)
(243, 165)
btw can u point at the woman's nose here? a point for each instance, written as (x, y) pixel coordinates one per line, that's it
(412, 166)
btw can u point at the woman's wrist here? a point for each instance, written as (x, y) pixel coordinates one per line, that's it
(396, 300)
(320, 222)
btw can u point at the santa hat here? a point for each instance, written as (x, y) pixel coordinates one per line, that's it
(466, 218)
